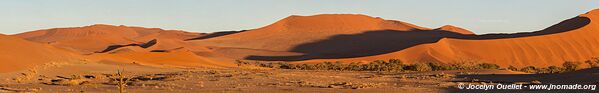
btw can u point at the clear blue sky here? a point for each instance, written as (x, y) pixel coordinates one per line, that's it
(480, 16)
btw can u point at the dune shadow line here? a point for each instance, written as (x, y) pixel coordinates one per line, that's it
(386, 41)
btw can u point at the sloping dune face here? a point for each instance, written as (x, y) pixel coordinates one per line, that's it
(94, 38)
(295, 30)
(571, 40)
(322, 36)
(150, 46)
(176, 57)
(354, 38)
(18, 54)
(455, 29)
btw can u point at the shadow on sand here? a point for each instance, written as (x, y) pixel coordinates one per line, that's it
(386, 41)
(216, 34)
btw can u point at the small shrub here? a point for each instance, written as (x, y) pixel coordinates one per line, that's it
(354, 66)
(512, 68)
(571, 66)
(593, 62)
(554, 69)
(529, 69)
(395, 61)
(438, 67)
(286, 66)
(488, 66)
(241, 63)
(338, 66)
(419, 67)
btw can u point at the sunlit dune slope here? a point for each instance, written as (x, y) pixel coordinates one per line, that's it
(98, 37)
(283, 37)
(19, 54)
(176, 57)
(295, 30)
(571, 40)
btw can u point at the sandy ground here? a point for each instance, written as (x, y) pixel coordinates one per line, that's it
(178, 80)
(99, 78)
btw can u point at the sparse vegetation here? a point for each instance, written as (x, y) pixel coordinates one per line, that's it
(567, 66)
(571, 66)
(241, 63)
(419, 67)
(555, 69)
(488, 66)
(397, 65)
(593, 62)
(377, 65)
(529, 69)
(512, 68)
(121, 81)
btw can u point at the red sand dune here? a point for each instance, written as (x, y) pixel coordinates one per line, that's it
(332, 37)
(96, 38)
(283, 36)
(351, 38)
(175, 57)
(295, 30)
(150, 46)
(19, 54)
(455, 29)
(571, 40)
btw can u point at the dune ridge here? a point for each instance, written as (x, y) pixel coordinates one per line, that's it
(519, 49)
(79, 38)
(455, 29)
(332, 37)
(19, 54)
(346, 37)
(294, 30)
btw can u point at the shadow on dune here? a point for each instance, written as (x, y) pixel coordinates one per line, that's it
(386, 41)
(142, 45)
(581, 77)
(216, 34)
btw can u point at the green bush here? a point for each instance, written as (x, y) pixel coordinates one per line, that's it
(488, 66)
(286, 66)
(554, 69)
(438, 67)
(419, 67)
(354, 66)
(377, 65)
(571, 66)
(529, 69)
(512, 68)
(593, 62)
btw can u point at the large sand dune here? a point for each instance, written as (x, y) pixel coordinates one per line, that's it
(96, 38)
(289, 36)
(351, 38)
(570, 40)
(338, 37)
(296, 30)
(107, 43)
(19, 54)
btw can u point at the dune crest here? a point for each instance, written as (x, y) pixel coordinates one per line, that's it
(333, 37)
(89, 39)
(455, 29)
(292, 31)
(19, 54)
(570, 40)
(353, 38)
